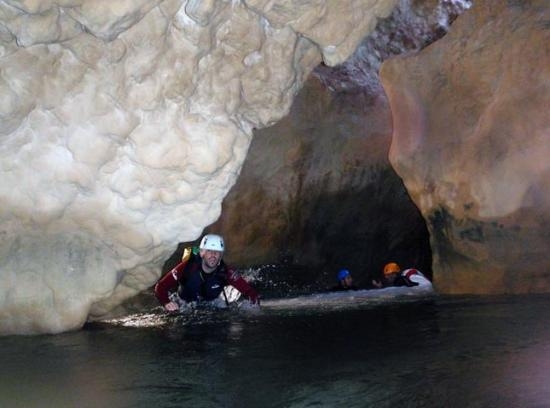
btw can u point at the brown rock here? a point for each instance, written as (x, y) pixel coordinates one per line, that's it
(471, 140)
(317, 191)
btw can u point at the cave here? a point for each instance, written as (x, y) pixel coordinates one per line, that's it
(313, 136)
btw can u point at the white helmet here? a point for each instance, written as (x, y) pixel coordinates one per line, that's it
(212, 242)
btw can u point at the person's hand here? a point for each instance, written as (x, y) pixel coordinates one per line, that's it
(171, 307)
(376, 283)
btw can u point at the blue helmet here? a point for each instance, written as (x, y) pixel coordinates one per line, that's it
(342, 274)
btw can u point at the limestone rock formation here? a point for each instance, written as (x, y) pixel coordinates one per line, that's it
(124, 124)
(471, 142)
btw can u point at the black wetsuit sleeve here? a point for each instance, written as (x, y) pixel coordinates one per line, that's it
(404, 281)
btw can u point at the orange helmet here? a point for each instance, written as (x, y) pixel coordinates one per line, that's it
(390, 268)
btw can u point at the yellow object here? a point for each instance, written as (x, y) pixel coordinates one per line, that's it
(186, 254)
(390, 268)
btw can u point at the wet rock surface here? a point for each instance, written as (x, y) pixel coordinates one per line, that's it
(470, 140)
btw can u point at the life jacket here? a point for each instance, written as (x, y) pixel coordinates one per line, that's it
(197, 285)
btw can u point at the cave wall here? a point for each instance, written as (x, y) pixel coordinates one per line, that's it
(123, 124)
(471, 131)
(317, 193)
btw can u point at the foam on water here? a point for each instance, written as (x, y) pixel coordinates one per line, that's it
(351, 298)
(207, 311)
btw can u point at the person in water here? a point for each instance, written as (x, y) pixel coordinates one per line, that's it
(201, 277)
(345, 281)
(393, 276)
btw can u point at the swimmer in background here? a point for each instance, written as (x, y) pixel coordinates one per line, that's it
(345, 281)
(393, 276)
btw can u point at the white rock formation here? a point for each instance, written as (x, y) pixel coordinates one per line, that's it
(124, 123)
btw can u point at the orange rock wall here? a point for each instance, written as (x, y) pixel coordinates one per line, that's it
(471, 140)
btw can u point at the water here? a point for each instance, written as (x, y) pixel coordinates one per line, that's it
(428, 352)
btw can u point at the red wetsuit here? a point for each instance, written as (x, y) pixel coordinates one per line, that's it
(198, 285)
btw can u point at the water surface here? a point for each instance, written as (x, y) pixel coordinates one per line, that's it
(427, 352)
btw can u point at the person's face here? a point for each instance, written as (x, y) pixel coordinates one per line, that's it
(210, 258)
(391, 277)
(347, 281)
